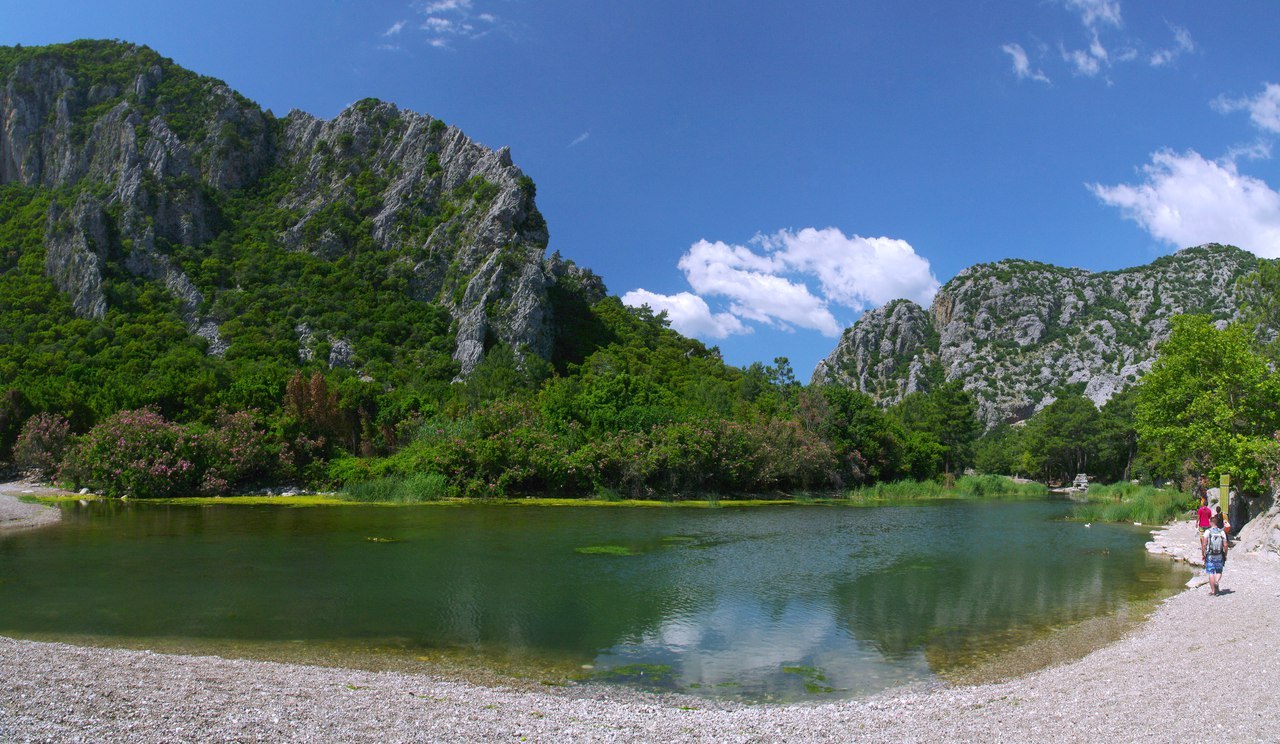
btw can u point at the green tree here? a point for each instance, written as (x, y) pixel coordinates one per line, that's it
(1000, 451)
(1259, 296)
(1064, 438)
(865, 441)
(1211, 402)
(949, 414)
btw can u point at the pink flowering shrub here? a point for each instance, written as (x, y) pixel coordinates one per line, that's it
(142, 455)
(41, 443)
(235, 451)
(135, 453)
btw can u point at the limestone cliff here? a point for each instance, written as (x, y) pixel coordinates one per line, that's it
(146, 157)
(1018, 331)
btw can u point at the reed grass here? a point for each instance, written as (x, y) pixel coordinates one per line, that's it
(1126, 502)
(400, 489)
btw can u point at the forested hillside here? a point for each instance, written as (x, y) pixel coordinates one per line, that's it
(353, 299)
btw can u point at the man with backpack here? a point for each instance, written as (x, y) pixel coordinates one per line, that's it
(1213, 548)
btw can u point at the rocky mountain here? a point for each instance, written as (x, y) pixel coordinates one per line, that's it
(158, 175)
(1017, 332)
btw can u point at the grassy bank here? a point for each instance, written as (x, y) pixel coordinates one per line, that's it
(967, 487)
(1125, 502)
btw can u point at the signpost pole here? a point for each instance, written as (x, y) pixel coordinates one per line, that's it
(1224, 498)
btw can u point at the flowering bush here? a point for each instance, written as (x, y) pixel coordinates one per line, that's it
(41, 443)
(143, 455)
(233, 452)
(135, 453)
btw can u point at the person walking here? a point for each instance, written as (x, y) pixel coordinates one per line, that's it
(1213, 548)
(1204, 513)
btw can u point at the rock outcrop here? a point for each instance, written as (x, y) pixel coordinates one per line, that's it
(151, 154)
(1016, 332)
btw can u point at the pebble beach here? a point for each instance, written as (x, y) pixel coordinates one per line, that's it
(1198, 667)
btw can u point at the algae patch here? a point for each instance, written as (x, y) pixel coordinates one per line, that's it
(606, 550)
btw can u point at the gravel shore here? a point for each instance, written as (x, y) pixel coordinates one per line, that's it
(1200, 667)
(17, 515)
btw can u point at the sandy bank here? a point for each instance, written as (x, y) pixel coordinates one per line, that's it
(1196, 653)
(17, 515)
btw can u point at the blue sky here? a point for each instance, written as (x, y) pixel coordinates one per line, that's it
(767, 171)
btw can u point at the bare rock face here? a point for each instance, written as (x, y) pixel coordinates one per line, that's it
(153, 156)
(1018, 331)
(75, 242)
(482, 260)
(49, 136)
(885, 354)
(1262, 532)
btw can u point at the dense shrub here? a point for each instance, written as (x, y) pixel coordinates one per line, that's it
(234, 452)
(135, 453)
(143, 455)
(41, 443)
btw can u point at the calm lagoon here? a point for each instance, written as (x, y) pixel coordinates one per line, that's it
(760, 603)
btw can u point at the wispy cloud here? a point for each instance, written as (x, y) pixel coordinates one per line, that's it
(1264, 108)
(1105, 46)
(1021, 65)
(1186, 200)
(770, 282)
(450, 21)
(1088, 62)
(1182, 44)
(580, 139)
(444, 23)
(1096, 13)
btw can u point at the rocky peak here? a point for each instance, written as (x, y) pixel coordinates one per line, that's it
(153, 152)
(1018, 331)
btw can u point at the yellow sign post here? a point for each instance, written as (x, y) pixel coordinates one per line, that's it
(1224, 499)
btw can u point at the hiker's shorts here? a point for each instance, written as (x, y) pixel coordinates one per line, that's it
(1213, 564)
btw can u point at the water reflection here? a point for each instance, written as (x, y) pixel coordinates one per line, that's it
(766, 603)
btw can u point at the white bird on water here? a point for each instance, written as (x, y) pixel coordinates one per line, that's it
(1088, 524)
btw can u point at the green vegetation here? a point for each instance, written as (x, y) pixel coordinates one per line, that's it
(1124, 502)
(606, 550)
(409, 489)
(1210, 405)
(969, 486)
(339, 372)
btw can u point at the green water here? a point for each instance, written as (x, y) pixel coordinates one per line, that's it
(768, 603)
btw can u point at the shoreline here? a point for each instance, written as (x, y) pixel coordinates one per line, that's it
(1147, 686)
(16, 514)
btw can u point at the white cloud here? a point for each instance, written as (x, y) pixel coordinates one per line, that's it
(1264, 108)
(1182, 44)
(395, 28)
(689, 314)
(1021, 64)
(1094, 13)
(770, 283)
(756, 293)
(1188, 200)
(1088, 62)
(1107, 44)
(446, 6)
(580, 139)
(855, 271)
(448, 21)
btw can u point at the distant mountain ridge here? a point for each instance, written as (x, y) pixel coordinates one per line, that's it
(161, 175)
(1016, 332)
